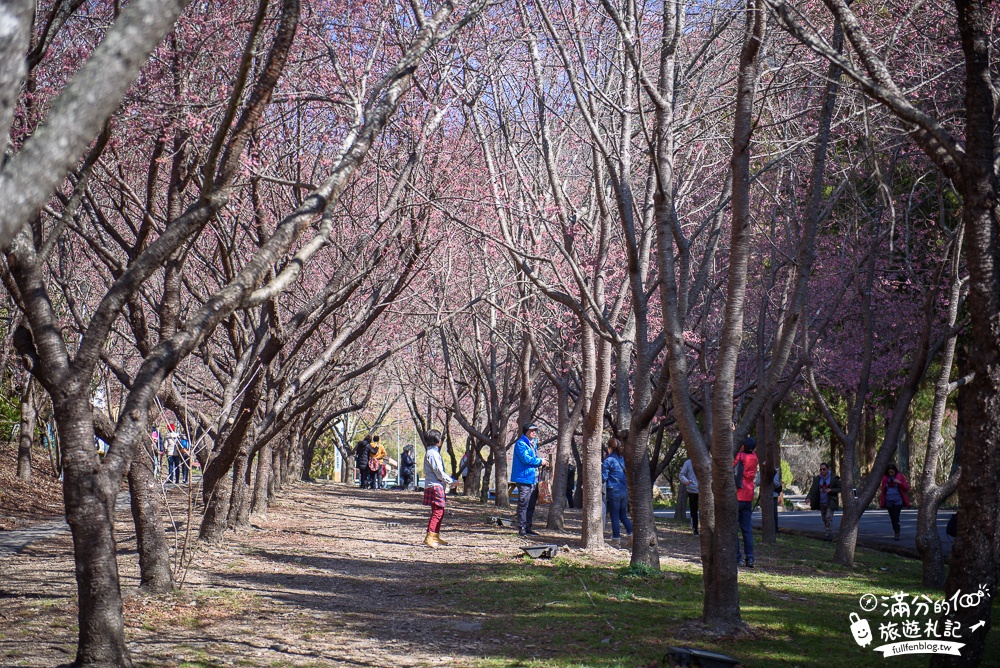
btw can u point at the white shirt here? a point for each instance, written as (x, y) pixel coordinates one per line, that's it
(689, 478)
(434, 473)
(172, 443)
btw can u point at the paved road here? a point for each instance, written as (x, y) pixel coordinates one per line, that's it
(12, 542)
(875, 529)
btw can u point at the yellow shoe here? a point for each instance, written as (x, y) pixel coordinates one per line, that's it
(431, 540)
(439, 539)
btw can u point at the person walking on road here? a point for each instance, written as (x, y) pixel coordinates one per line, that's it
(690, 481)
(823, 496)
(613, 473)
(524, 473)
(436, 482)
(893, 496)
(745, 467)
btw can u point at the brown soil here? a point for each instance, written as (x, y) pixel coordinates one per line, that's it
(332, 576)
(26, 503)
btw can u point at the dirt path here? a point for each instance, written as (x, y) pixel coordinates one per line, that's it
(15, 540)
(332, 576)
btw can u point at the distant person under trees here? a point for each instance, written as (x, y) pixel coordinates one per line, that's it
(379, 455)
(745, 466)
(362, 456)
(823, 496)
(690, 481)
(893, 496)
(172, 446)
(407, 467)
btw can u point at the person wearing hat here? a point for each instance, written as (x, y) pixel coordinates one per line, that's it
(524, 473)
(745, 467)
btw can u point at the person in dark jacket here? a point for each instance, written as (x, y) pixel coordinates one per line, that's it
(570, 485)
(823, 496)
(407, 467)
(893, 495)
(362, 454)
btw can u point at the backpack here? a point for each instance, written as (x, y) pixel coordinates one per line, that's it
(738, 472)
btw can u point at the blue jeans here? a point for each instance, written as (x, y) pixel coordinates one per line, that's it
(746, 528)
(174, 463)
(617, 509)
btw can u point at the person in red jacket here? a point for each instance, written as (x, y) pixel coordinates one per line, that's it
(747, 461)
(893, 496)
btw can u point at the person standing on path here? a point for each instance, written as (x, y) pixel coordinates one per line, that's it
(185, 453)
(745, 466)
(524, 472)
(362, 454)
(378, 473)
(823, 496)
(408, 465)
(570, 485)
(690, 481)
(893, 496)
(776, 493)
(172, 446)
(613, 473)
(436, 482)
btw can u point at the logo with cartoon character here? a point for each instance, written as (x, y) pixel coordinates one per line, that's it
(917, 624)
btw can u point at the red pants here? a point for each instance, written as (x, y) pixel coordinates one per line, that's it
(434, 524)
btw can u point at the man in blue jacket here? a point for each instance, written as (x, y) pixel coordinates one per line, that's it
(524, 472)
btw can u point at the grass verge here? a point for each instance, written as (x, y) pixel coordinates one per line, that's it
(568, 613)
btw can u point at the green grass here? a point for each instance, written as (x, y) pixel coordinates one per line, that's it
(567, 613)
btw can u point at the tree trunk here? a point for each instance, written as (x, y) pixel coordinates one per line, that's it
(597, 381)
(27, 433)
(155, 576)
(771, 465)
(932, 494)
(564, 454)
(213, 524)
(928, 539)
(484, 493)
(262, 481)
(90, 501)
(722, 605)
(680, 507)
(306, 459)
(500, 475)
(276, 481)
(974, 557)
(239, 500)
(645, 548)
